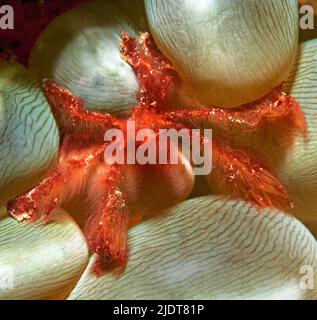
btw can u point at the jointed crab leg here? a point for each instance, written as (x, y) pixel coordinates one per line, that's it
(241, 174)
(71, 114)
(158, 80)
(157, 77)
(107, 222)
(65, 181)
(275, 107)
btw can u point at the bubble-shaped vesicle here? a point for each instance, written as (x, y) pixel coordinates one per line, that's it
(210, 248)
(28, 132)
(80, 50)
(229, 52)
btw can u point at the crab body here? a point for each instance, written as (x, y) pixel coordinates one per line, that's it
(81, 168)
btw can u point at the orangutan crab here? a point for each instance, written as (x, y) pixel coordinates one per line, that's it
(235, 171)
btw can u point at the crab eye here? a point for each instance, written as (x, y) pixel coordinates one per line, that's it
(228, 52)
(82, 53)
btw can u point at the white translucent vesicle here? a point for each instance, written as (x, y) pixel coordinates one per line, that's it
(29, 136)
(42, 261)
(211, 248)
(229, 52)
(80, 50)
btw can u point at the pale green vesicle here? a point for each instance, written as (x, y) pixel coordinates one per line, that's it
(299, 169)
(228, 52)
(211, 248)
(29, 135)
(80, 50)
(40, 261)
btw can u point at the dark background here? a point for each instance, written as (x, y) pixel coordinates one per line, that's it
(30, 18)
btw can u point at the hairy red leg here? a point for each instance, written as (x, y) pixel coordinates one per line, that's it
(71, 114)
(107, 222)
(242, 175)
(156, 75)
(90, 126)
(65, 181)
(158, 79)
(275, 107)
